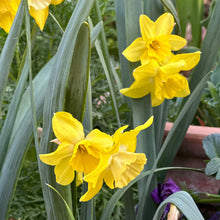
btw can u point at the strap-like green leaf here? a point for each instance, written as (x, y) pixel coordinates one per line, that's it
(184, 202)
(20, 138)
(8, 49)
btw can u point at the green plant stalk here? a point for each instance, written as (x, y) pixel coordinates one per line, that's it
(34, 31)
(33, 110)
(74, 197)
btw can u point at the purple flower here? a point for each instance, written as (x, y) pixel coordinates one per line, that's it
(216, 216)
(162, 192)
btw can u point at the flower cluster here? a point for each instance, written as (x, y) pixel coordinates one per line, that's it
(101, 157)
(39, 10)
(159, 72)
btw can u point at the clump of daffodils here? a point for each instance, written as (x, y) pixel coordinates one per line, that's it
(159, 72)
(99, 156)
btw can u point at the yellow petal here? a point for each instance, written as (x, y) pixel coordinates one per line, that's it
(191, 59)
(164, 24)
(56, 2)
(144, 80)
(109, 179)
(40, 16)
(147, 70)
(118, 133)
(138, 89)
(8, 11)
(147, 124)
(91, 191)
(79, 178)
(173, 68)
(155, 101)
(67, 128)
(176, 42)
(99, 140)
(134, 51)
(39, 4)
(6, 20)
(128, 139)
(64, 150)
(147, 27)
(126, 166)
(64, 172)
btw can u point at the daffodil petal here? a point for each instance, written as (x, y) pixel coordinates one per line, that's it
(64, 172)
(173, 68)
(8, 11)
(92, 191)
(109, 179)
(164, 24)
(134, 51)
(176, 42)
(79, 178)
(128, 139)
(155, 101)
(67, 128)
(138, 89)
(39, 4)
(40, 16)
(99, 140)
(118, 133)
(191, 59)
(147, 70)
(147, 124)
(147, 27)
(6, 20)
(126, 166)
(64, 150)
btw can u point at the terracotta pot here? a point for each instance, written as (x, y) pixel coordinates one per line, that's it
(192, 154)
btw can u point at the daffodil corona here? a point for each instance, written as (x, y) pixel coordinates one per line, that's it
(99, 156)
(39, 10)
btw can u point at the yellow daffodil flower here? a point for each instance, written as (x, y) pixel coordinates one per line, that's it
(156, 42)
(75, 151)
(121, 165)
(39, 10)
(163, 81)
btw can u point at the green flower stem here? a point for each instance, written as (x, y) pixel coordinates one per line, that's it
(34, 118)
(34, 31)
(74, 197)
(208, 200)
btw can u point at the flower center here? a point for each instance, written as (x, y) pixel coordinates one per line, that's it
(155, 45)
(81, 148)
